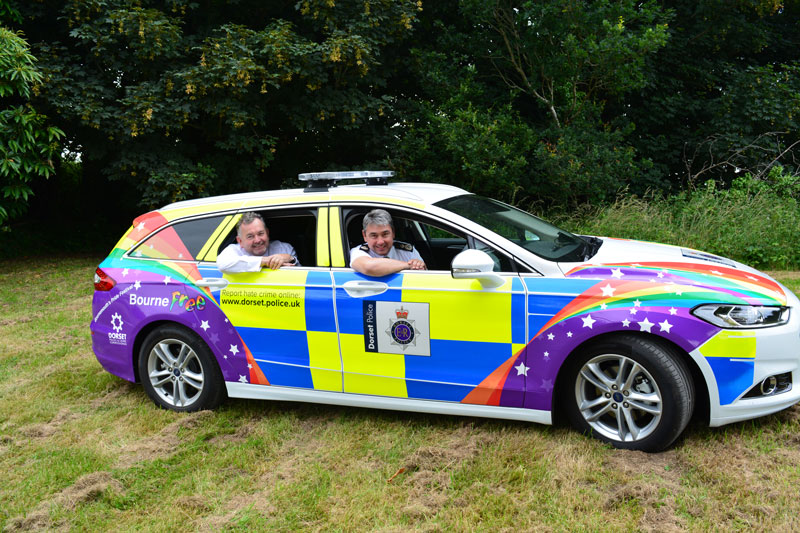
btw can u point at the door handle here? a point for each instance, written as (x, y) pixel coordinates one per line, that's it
(362, 288)
(217, 283)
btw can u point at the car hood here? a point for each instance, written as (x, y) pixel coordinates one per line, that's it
(719, 278)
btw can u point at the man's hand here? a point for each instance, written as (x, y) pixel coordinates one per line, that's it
(276, 261)
(416, 264)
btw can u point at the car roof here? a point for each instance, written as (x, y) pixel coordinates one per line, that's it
(424, 193)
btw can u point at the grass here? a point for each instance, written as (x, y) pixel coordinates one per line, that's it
(83, 450)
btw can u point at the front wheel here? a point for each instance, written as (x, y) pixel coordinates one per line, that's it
(179, 372)
(630, 392)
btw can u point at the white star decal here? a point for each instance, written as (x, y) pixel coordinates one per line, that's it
(678, 291)
(665, 326)
(550, 336)
(242, 379)
(652, 280)
(633, 311)
(626, 323)
(204, 325)
(617, 273)
(140, 227)
(124, 272)
(167, 279)
(180, 256)
(249, 366)
(673, 311)
(234, 349)
(603, 306)
(137, 285)
(608, 290)
(522, 370)
(116, 322)
(645, 325)
(637, 303)
(661, 274)
(569, 334)
(588, 321)
(547, 354)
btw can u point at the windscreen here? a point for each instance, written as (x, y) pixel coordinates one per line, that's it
(524, 229)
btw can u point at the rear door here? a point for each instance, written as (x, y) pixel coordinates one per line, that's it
(285, 317)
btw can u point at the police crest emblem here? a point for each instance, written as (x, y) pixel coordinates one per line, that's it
(402, 329)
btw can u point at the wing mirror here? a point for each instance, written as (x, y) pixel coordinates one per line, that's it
(476, 264)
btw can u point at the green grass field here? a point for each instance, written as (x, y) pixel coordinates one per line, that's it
(83, 450)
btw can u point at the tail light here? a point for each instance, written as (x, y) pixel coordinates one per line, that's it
(102, 281)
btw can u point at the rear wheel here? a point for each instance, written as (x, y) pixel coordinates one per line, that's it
(630, 392)
(179, 372)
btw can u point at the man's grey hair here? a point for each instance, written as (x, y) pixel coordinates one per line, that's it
(378, 217)
(248, 218)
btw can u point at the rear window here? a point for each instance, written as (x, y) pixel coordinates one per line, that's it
(181, 241)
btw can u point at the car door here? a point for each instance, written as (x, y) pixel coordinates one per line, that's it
(284, 317)
(425, 335)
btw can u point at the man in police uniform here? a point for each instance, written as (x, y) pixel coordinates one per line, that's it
(381, 255)
(253, 249)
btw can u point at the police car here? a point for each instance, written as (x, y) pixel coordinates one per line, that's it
(513, 318)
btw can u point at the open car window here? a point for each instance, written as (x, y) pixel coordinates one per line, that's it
(293, 226)
(436, 242)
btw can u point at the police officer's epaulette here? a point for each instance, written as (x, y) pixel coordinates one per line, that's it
(364, 247)
(403, 246)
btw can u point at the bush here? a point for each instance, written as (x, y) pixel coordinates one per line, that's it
(755, 221)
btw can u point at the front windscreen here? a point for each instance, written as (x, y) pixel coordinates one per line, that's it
(524, 229)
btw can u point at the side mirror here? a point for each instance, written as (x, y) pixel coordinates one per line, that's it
(475, 264)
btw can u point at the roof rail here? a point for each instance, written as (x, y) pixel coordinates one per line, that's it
(317, 181)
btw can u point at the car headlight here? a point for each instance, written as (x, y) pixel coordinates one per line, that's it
(742, 316)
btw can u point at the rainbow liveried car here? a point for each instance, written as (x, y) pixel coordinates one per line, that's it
(513, 319)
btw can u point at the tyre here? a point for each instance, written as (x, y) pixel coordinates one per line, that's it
(631, 392)
(179, 372)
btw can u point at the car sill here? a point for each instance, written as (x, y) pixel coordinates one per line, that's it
(269, 392)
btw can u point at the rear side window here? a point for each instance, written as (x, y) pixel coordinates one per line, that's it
(297, 227)
(181, 241)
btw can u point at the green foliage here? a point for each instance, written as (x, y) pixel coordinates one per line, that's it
(483, 150)
(177, 182)
(723, 95)
(27, 143)
(248, 93)
(526, 122)
(568, 56)
(755, 221)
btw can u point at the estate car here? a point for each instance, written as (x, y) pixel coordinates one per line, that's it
(514, 318)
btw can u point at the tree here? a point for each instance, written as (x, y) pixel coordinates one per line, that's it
(725, 89)
(539, 75)
(186, 99)
(27, 143)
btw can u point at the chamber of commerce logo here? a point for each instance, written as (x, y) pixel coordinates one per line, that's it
(117, 337)
(402, 329)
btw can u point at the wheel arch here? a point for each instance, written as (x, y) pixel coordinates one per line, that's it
(149, 328)
(702, 401)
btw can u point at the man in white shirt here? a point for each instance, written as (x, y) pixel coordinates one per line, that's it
(381, 255)
(253, 249)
